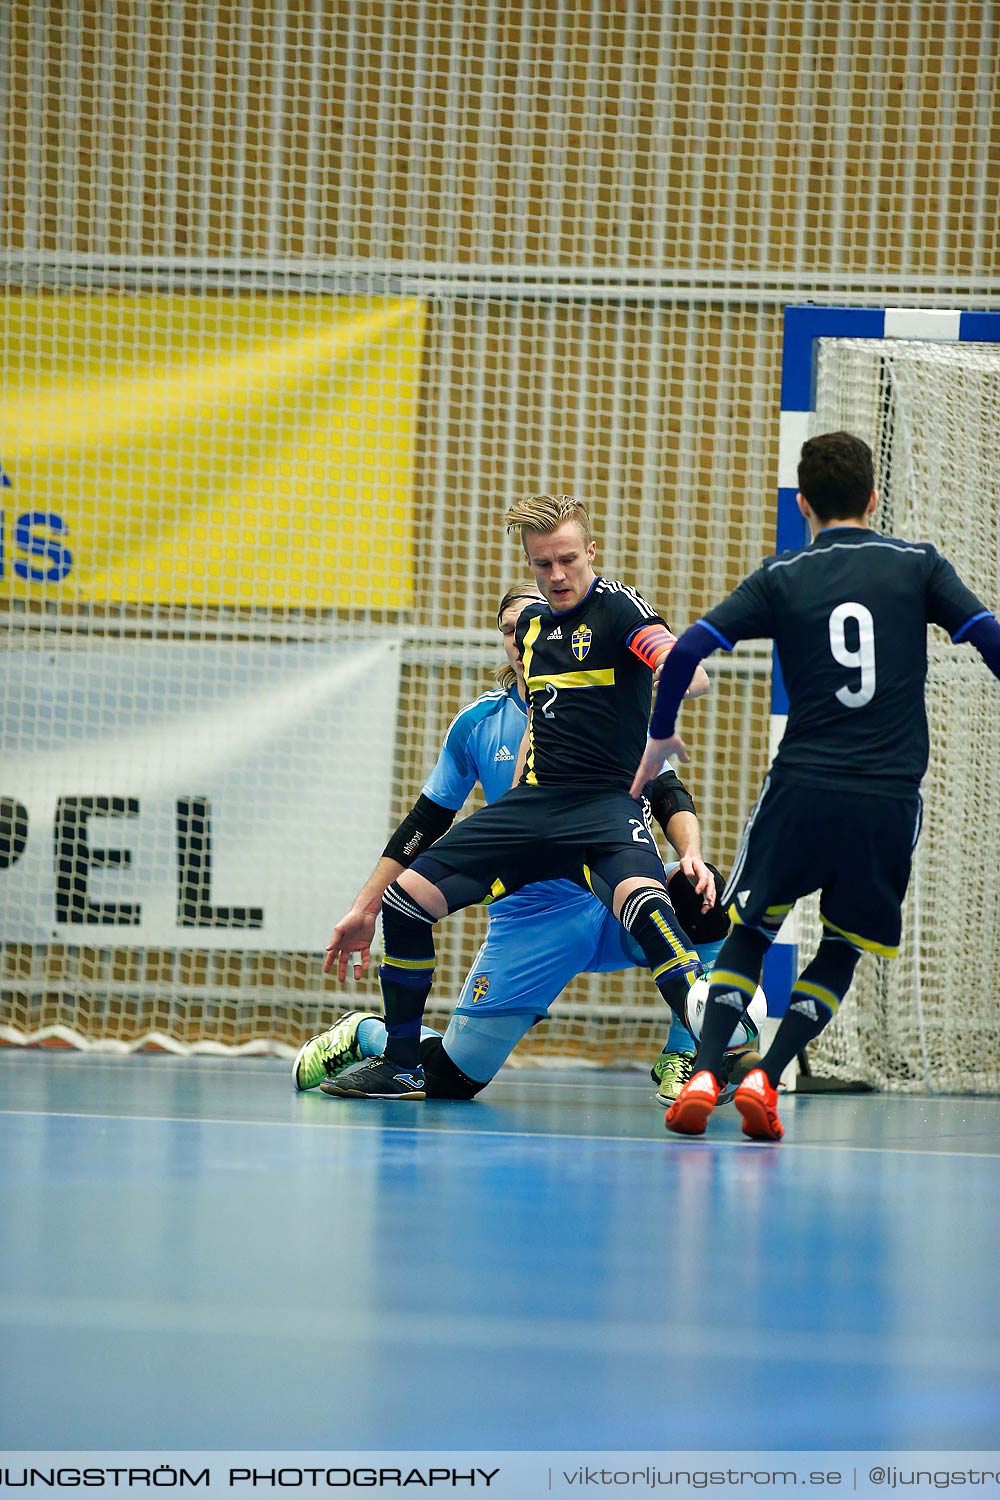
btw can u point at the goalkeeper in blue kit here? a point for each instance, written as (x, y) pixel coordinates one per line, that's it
(840, 809)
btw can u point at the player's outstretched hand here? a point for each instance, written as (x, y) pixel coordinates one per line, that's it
(701, 877)
(652, 761)
(352, 934)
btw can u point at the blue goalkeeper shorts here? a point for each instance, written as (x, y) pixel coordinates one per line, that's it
(538, 940)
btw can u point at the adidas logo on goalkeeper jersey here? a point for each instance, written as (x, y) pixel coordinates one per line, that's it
(503, 754)
(555, 635)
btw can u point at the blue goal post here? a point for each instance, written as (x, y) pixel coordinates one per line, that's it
(803, 327)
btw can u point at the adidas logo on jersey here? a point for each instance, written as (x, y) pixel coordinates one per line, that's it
(555, 635)
(503, 754)
(743, 896)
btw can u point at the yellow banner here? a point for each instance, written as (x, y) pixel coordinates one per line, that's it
(216, 450)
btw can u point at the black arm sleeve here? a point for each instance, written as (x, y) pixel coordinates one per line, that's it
(698, 641)
(668, 795)
(425, 822)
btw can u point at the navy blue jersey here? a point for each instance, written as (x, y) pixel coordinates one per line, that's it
(848, 616)
(587, 672)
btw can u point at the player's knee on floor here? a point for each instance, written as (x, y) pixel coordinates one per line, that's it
(442, 1079)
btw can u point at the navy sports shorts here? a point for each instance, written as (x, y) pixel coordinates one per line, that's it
(855, 847)
(543, 833)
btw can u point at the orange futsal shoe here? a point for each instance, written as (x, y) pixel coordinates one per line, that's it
(757, 1101)
(688, 1115)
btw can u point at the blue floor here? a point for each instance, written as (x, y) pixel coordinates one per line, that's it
(195, 1257)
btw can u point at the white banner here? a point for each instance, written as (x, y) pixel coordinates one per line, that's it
(192, 796)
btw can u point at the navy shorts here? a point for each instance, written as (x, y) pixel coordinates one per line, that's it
(532, 833)
(855, 847)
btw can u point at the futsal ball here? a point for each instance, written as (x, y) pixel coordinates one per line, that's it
(748, 1029)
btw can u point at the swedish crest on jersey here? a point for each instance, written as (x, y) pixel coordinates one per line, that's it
(580, 642)
(480, 988)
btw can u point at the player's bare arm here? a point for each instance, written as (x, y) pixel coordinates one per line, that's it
(685, 836)
(656, 752)
(356, 929)
(426, 821)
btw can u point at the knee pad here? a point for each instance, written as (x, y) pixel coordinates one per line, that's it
(441, 1077)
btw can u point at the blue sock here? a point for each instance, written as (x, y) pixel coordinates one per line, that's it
(708, 953)
(372, 1036)
(679, 1039)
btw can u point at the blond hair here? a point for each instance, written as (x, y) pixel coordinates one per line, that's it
(505, 675)
(546, 513)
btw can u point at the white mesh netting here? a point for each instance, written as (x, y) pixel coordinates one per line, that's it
(930, 1019)
(296, 299)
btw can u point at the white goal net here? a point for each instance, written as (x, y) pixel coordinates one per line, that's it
(295, 300)
(931, 1018)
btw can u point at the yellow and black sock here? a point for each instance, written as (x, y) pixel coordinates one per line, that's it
(734, 981)
(815, 1000)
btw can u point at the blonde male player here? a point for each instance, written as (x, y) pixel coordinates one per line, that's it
(589, 652)
(538, 939)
